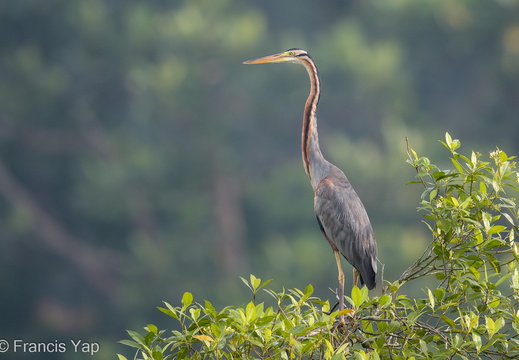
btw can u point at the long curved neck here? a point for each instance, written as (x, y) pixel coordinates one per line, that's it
(314, 163)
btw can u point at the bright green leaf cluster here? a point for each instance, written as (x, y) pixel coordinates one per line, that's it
(299, 325)
(473, 218)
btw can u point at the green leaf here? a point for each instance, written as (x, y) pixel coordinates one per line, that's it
(447, 306)
(477, 341)
(182, 353)
(499, 323)
(496, 229)
(356, 296)
(439, 294)
(482, 188)
(130, 343)
(209, 308)
(250, 312)
(423, 347)
(265, 283)
(491, 326)
(136, 336)
(168, 312)
(298, 329)
(412, 182)
(246, 282)
(457, 341)
(458, 166)
(254, 282)
(440, 276)
(393, 326)
(448, 139)
(509, 218)
(157, 354)
(495, 302)
(451, 144)
(384, 300)
(152, 328)
(148, 338)
(473, 159)
(338, 357)
(431, 298)
(265, 320)
(438, 174)
(187, 299)
(502, 156)
(474, 272)
(448, 321)
(413, 316)
(195, 313)
(500, 281)
(433, 194)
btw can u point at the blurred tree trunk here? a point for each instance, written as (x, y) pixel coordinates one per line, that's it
(230, 222)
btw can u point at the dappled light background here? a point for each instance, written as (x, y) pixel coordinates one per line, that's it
(140, 159)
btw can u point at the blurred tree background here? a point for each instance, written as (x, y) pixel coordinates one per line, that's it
(140, 159)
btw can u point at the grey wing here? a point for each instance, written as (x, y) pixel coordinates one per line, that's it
(345, 223)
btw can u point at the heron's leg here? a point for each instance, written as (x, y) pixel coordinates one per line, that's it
(341, 280)
(355, 277)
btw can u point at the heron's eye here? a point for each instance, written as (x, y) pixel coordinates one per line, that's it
(291, 53)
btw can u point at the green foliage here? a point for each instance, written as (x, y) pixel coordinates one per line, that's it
(299, 325)
(470, 314)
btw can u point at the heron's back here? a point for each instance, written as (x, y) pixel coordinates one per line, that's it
(345, 223)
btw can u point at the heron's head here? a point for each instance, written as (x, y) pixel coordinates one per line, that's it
(291, 55)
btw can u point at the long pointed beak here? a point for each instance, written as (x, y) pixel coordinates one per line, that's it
(276, 58)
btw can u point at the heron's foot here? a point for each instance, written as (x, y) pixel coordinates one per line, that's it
(345, 321)
(344, 324)
(340, 323)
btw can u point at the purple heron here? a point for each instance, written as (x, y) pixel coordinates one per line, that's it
(340, 213)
